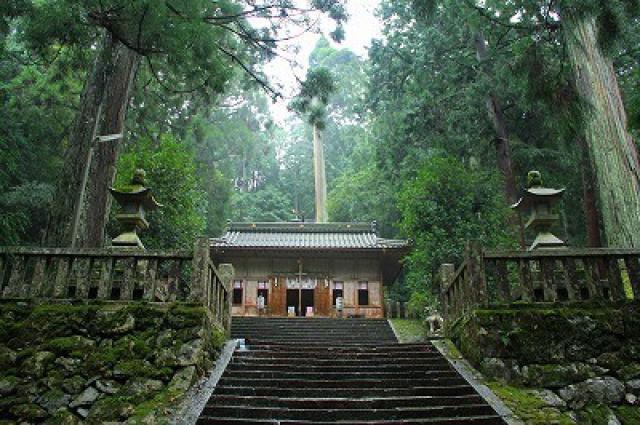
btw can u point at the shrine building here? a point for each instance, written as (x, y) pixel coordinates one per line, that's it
(309, 269)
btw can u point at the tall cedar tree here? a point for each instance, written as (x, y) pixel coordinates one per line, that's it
(312, 101)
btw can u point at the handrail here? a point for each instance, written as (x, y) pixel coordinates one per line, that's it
(95, 252)
(117, 275)
(569, 252)
(541, 276)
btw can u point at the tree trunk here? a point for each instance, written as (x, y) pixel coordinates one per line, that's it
(320, 177)
(68, 197)
(589, 198)
(613, 152)
(502, 145)
(103, 166)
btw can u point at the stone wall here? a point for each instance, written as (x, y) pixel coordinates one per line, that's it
(579, 356)
(98, 363)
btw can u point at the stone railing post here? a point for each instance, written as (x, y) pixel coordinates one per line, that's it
(475, 290)
(200, 273)
(443, 280)
(226, 273)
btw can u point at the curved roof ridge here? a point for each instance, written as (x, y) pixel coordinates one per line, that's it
(358, 236)
(302, 227)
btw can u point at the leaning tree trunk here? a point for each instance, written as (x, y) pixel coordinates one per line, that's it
(62, 226)
(613, 152)
(589, 197)
(103, 167)
(502, 145)
(320, 177)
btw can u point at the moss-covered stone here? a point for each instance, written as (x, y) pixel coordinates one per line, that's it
(73, 346)
(53, 400)
(181, 317)
(111, 408)
(546, 335)
(556, 375)
(611, 361)
(596, 415)
(141, 389)
(100, 358)
(30, 412)
(628, 372)
(8, 385)
(7, 356)
(139, 368)
(150, 412)
(62, 417)
(37, 364)
(528, 406)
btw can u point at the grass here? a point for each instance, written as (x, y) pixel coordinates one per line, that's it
(409, 330)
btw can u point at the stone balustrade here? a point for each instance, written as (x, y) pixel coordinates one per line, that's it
(488, 278)
(113, 275)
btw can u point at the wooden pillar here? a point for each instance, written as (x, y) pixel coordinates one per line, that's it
(323, 297)
(278, 296)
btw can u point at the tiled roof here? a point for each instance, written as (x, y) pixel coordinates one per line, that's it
(305, 236)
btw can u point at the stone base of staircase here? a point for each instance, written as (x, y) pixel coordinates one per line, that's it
(346, 371)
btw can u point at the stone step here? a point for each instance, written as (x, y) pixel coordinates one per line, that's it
(333, 368)
(288, 363)
(340, 376)
(309, 334)
(329, 327)
(312, 336)
(345, 403)
(477, 420)
(315, 342)
(332, 331)
(342, 392)
(347, 383)
(254, 345)
(279, 413)
(326, 354)
(276, 319)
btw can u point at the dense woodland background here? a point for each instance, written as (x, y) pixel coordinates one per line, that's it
(431, 135)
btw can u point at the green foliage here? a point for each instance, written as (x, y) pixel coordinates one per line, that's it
(37, 107)
(628, 415)
(360, 196)
(418, 302)
(314, 96)
(172, 175)
(263, 205)
(445, 204)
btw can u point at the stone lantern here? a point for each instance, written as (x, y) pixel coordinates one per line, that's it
(135, 200)
(538, 203)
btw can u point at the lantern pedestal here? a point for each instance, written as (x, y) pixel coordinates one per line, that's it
(131, 224)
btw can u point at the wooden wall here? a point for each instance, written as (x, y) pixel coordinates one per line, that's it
(323, 271)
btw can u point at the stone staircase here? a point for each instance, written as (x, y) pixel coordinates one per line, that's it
(346, 371)
(318, 330)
